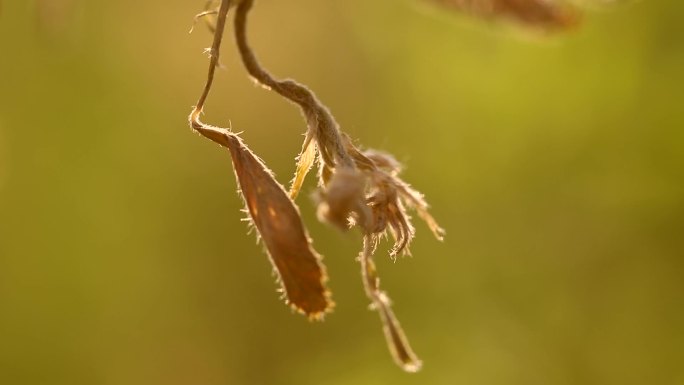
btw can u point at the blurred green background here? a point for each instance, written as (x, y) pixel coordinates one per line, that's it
(555, 164)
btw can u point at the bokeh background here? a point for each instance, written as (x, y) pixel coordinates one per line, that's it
(556, 164)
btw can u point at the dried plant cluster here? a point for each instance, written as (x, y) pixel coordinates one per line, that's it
(356, 188)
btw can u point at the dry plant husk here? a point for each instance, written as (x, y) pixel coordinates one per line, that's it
(298, 267)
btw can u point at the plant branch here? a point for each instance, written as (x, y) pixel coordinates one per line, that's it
(321, 124)
(213, 63)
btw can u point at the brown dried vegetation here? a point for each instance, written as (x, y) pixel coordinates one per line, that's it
(356, 188)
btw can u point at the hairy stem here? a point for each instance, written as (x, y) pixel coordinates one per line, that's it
(213, 63)
(321, 123)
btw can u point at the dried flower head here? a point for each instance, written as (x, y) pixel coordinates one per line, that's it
(386, 197)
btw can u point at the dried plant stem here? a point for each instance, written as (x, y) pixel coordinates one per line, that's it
(321, 123)
(396, 339)
(213, 63)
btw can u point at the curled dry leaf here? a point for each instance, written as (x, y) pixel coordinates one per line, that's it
(397, 342)
(298, 266)
(305, 161)
(544, 14)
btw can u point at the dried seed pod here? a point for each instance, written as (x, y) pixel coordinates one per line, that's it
(276, 218)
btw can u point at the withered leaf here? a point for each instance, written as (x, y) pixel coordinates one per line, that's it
(275, 216)
(397, 342)
(304, 162)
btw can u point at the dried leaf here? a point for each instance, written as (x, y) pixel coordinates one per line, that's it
(397, 342)
(299, 267)
(304, 162)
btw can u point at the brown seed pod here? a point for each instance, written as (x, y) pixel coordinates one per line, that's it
(276, 218)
